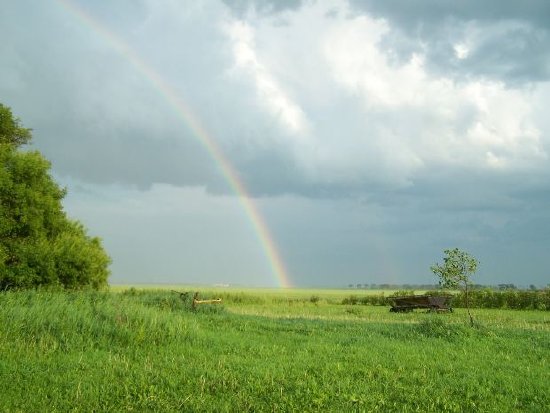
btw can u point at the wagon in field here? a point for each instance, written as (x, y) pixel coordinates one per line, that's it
(408, 303)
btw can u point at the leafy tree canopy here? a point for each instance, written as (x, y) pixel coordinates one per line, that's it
(11, 131)
(457, 269)
(39, 244)
(456, 272)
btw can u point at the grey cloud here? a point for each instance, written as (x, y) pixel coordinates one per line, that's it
(375, 242)
(94, 114)
(413, 15)
(263, 7)
(516, 55)
(513, 47)
(520, 55)
(91, 107)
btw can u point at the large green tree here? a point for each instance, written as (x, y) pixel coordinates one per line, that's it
(39, 244)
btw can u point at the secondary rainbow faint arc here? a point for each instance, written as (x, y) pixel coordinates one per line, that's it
(181, 108)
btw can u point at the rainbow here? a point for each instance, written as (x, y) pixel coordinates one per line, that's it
(199, 132)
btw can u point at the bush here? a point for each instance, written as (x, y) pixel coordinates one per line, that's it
(79, 259)
(371, 299)
(512, 299)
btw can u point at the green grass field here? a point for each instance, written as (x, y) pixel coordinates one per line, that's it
(263, 350)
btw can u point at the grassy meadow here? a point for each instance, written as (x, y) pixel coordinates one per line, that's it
(264, 350)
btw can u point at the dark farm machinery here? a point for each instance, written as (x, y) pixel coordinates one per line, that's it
(409, 303)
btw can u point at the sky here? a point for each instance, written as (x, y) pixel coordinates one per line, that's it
(292, 143)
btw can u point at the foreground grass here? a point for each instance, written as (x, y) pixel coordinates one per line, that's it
(145, 351)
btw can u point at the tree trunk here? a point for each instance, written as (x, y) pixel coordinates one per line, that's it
(468, 305)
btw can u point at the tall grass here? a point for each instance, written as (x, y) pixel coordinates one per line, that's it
(149, 351)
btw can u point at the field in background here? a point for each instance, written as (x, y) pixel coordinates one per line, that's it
(335, 293)
(264, 295)
(532, 299)
(263, 350)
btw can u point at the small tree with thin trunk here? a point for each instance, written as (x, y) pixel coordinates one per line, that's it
(456, 271)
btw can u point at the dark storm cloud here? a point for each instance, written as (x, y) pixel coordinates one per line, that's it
(512, 42)
(265, 7)
(521, 54)
(415, 13)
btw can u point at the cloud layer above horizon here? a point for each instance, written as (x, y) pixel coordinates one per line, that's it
(373, 134)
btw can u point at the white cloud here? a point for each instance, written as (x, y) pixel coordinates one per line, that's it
(370, 117)
(461, 51)
(355, 61)
(429, 110)
(270, 93)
